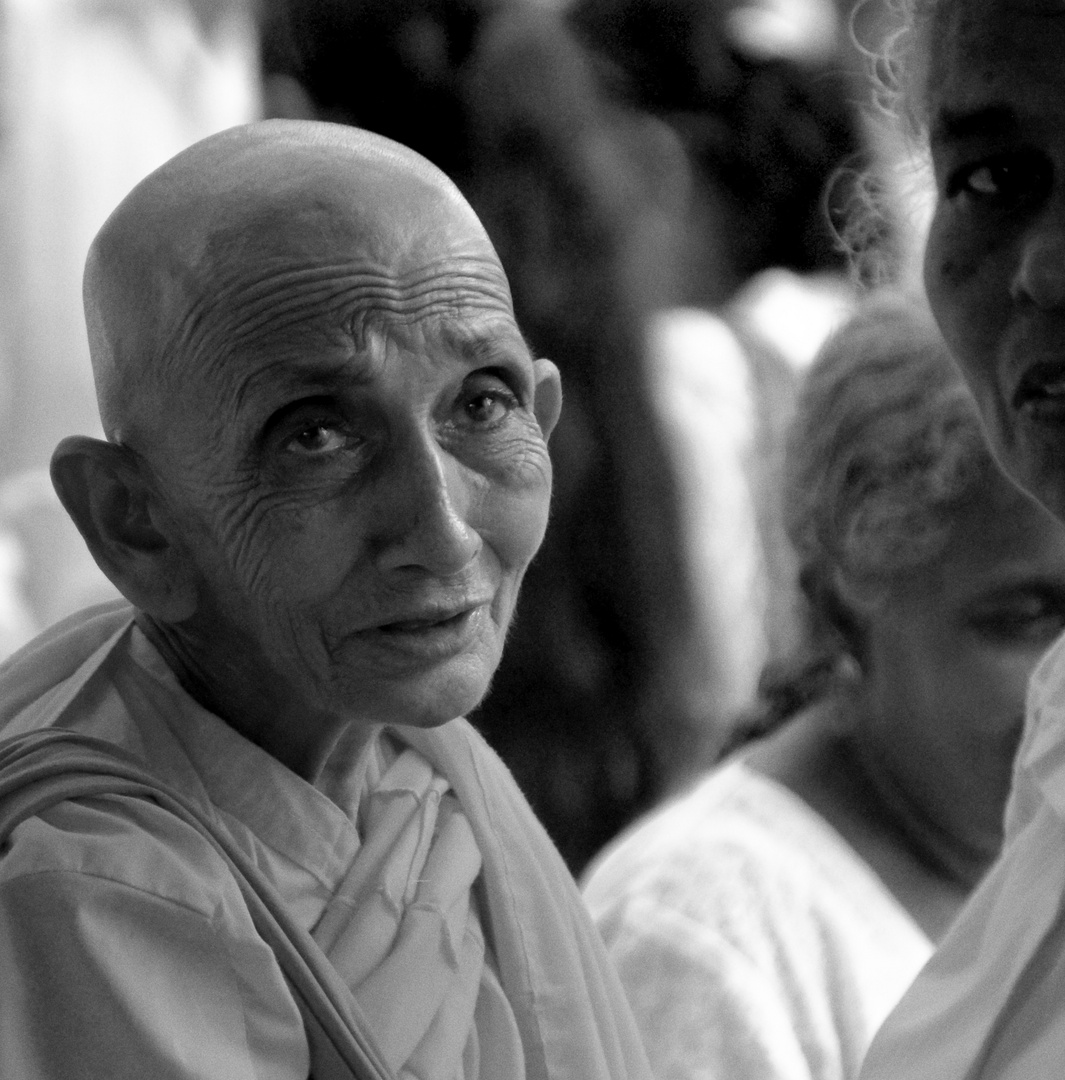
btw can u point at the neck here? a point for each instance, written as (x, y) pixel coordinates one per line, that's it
(814, 755)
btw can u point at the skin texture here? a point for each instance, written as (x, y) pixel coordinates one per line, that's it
(995, 261)
(913, 764)
(327, 467)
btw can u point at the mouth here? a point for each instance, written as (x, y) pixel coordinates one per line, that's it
(1041, 390)
(431, 634)
(427, 624)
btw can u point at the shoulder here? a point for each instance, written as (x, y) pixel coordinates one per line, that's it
(40, 681)
(737, 869)
(128, 950)
(127, 842)
(712, 906)
(720, 838)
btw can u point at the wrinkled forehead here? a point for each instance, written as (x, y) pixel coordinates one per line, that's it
(392, 225)
(324, 254)
(268, 239)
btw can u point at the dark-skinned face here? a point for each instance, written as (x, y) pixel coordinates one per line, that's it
(995, 264)
(354, 453)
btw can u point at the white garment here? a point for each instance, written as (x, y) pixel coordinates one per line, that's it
(95, 94)
(128, 951)
(990, 1005)
(752, 940)
(705, 400)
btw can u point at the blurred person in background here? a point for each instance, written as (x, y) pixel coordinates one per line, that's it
(765, 922)
(758, 93)
(761, 96)
(95, 93)
(609, 686)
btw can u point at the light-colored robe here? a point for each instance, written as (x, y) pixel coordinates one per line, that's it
(128, 950)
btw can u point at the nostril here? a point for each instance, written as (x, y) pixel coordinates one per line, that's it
(1041, 273)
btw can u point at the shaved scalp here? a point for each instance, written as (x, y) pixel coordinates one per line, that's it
(159, 269)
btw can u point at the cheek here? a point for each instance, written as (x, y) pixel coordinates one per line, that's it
(967, 284)
(1001, 676)
(513, 523)
(983, 689)
(282, 559)
(957, 282)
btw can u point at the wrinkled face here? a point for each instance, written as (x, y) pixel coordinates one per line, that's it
(358, 469)
(995, 263)
(948, 658)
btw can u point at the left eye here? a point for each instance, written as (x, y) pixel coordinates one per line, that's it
(488, 406)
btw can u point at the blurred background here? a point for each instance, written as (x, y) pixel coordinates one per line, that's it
(666, 182)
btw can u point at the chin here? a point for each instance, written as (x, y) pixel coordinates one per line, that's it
(430, 702)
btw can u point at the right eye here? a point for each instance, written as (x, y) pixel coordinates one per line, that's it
(1002, 181)
(318, 438)
(314, 430)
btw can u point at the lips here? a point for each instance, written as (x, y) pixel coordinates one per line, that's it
(433, 630)
(417, 625)
(1041, 389)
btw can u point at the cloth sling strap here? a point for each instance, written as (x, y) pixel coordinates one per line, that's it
(43, 768)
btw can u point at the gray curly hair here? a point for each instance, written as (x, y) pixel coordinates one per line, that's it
(890, 200)
(900, 61)
(885, 448)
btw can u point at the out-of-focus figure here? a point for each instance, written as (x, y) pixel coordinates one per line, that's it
(95, 94)
(766, 922)
(757, 92)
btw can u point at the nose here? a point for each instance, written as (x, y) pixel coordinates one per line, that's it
(424, 504)
(1040, 275)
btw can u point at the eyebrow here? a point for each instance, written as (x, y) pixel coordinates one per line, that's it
(484, 348)
(990, 120)
(325, 375)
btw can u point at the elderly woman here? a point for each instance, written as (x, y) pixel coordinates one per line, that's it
(766, 921)
(245, 835)
(985, 89)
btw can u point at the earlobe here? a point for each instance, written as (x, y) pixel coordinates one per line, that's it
(104, 489)
(548, 404)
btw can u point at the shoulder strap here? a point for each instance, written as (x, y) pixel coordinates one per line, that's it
(47, 767)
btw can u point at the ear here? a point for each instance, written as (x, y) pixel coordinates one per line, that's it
(547, 404)
(107, 491)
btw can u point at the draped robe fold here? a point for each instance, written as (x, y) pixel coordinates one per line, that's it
(489, 893)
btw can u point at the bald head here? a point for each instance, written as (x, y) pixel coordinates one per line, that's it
(173, 272)
(327, 465)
